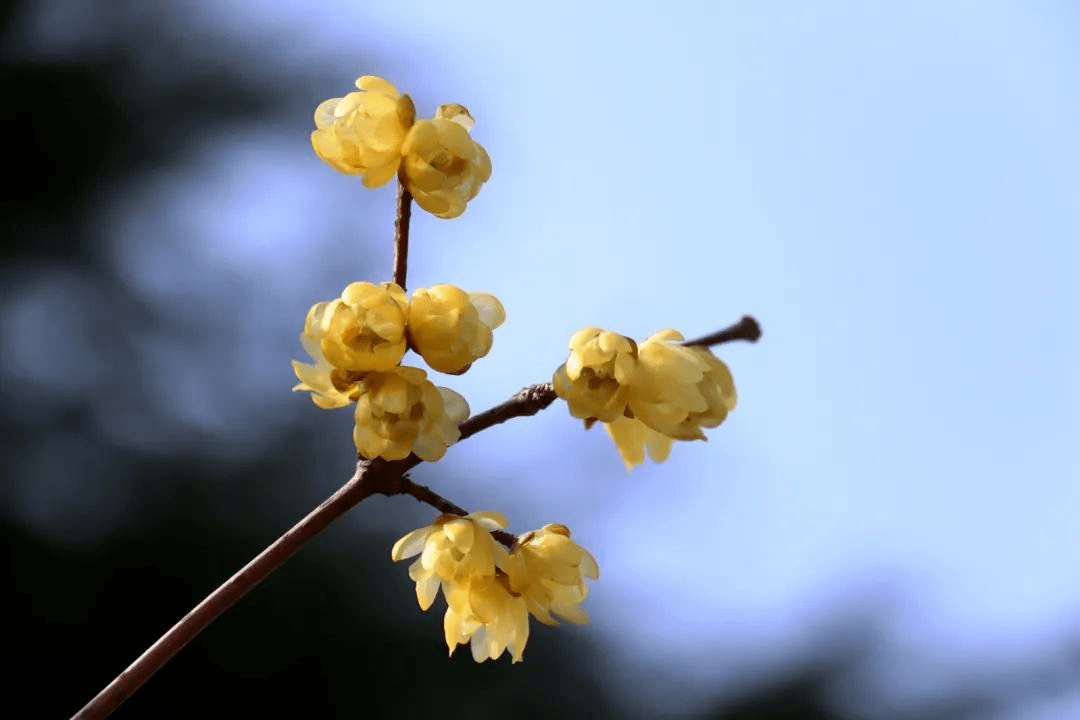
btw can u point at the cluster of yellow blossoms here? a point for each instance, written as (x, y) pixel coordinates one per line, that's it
(358, 341)
(374, 133)
(490, 592)
(646, 395)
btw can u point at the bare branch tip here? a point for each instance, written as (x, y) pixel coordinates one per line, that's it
(752, 328)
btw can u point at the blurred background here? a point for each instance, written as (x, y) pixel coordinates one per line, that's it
(885, 529)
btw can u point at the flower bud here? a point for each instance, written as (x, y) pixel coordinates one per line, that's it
(443, 166)
(548, 569)
(679, 389)
(450, 328)
(595, 380)
(364, 329)
(400, 412)
(362, 133)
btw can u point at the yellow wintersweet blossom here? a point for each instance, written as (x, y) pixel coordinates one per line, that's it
(362, 330)
(363, 132)
(451, 328)
(443, 166)
(548, 570)
(451, 549)
(595, 380)
(679, 389)
(632, 437)
(490, 592)
(646, 394)
(330, 387)
(400, 412)
(484, 612)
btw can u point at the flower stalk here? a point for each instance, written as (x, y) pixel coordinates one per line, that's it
(401, 234)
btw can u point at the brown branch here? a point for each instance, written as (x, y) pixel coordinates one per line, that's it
(352, 492)
(393, 481)
(527, 401)
(746, 329)
(401, 234)
(371, 477)
(427, 495)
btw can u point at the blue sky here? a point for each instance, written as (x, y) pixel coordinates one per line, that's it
(891, 189)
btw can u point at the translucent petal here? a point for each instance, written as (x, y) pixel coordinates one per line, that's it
(489, 309)
(417, 571)
(461, 533)
(454, 405)
(480, 645)
(412, 543)
(625, 365)
(455, 138)
(452, 630)
(490, 519)
(628, 434)
(573, 366)
(426, 589)
(540, 612)
(589, 567)
(324, 113)
(668, 334)
(422, 139)
(439, 206)
(582, 336)
(573, 613)
(379, 176)
(659, 446)
(456, 113)
(373, 83)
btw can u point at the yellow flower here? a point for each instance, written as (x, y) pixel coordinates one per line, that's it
(400, 412)
(362, 330)
(443, 166)
(460, 555)
(362, 133)
(632, 437)
(678, 389)
(490, 592)
(646, 395)
(330, 387)
(596, 378)
(450, 328)
(484, 612)
(548, 570)
(451, 549)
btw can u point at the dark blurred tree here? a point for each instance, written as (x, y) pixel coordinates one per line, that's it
(325, 636)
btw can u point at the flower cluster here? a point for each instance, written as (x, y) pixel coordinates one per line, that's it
(374, 133)
(358, 341)
(490, 592)
(646, 394)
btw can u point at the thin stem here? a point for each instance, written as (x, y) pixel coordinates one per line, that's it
(526, 401)
(427, 495)
(746, 329)
(221, 599)
(401, 234)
